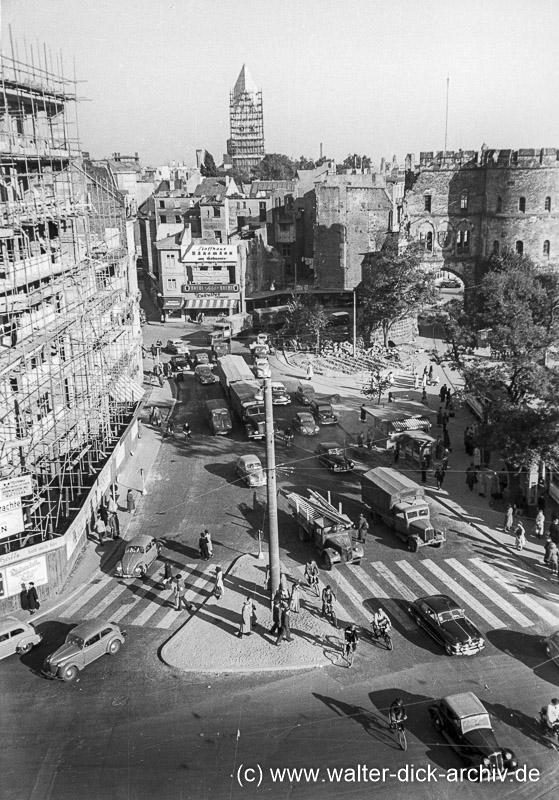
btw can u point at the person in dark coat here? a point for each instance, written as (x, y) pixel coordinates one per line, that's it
(167, 575)
(203, 546)
(439, 448)
(362, 528)
(32, 598)
(23, 598)
(363, 414)
(166, 369)
(471, 477)
(440, 416)
(553, 532)
(446, 440)
(285, 629)
(439, 477)
(276, 616)
(423, 467)
(442, 393)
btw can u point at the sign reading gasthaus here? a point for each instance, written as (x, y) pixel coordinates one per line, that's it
(15, 487)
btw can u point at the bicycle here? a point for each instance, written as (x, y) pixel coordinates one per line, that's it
(330, 614)
(313, 584)
(398, 726)
(385, 634)
(349, 649)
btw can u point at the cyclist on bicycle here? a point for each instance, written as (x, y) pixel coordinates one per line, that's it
(350, 640)
(397, 712)
(311, 573)
(381, 623)
(328, 598)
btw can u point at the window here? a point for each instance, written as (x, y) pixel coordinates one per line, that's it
(546, 248)
(178, 218)
(285, 227)
(548, 204)
(163, 219)
(217, 235)
(429, 242)
(171, 283)
(496, 248)
(463, 242)
(286, 251)
(217, 211)
(170, 259)
(16, 632)
(520, 247)
(499, 205)
(427, 201)
(162, 204)
(522, 204)
(464, 201)
(93, 640)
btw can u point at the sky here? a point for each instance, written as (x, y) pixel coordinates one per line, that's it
(359, 76)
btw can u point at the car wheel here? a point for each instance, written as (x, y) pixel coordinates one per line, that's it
(142, 571)
(25, 648)
(548, 651)
(413, 544)
(69, 673)
(114, 647)
(448, 650)
(326, 561)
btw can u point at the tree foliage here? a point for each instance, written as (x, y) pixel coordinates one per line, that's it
(354, 161)
(394, 287)
(307, 315)
(275, 167)
(208, 169)
(304, 163)
(378, 383)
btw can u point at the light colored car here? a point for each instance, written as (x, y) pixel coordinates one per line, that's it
(204, 375)
(177, 347)
(85, 643)
(139, 554)
(305, 394)
(250, 469)
(261, 368)
(280, 395)
(17, 637)
(551, 647)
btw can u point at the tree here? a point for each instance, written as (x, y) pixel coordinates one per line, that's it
(306, 314)
(378, 383)
(304, 163)
(275, 167)
(208, 169)
(354, 162)
(394, 287)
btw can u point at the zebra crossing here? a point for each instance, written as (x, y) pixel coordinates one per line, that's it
(488, 592)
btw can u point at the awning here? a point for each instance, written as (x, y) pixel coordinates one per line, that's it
(126, 391)
(209, 302)
(412, 424)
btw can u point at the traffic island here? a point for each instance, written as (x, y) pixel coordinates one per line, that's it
(208, 642)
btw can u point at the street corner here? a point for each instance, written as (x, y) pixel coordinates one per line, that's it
(209, 640)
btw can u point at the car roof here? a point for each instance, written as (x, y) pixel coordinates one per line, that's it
(465, 704)
(440, 602)
(176, 341)
(246, 459)
(278, 385)
(305, 387)
(304, 415)
(90, 628)
(7, 623)
(330, 445)
(140, 539)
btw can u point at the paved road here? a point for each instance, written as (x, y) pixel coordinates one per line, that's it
(131, 728)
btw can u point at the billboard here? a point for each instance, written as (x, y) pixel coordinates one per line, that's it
(11, 518)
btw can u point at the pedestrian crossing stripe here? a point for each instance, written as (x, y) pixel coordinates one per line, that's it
(393, 609)
(389, 576)
(482, 587)
(190, 595)
(125, 609)
(85, 596)
(340, 609)
(529, 602)
(418, 578)
(105, 602)
(355, 598)
(460, 592)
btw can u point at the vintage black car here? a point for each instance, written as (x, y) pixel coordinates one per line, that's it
(464, 722)
(180, 366)
(322, 412)
(304, 423)
(445, 620)
(332, 456)
(200, 357)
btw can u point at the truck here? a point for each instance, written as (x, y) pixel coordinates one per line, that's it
(401, 504)
(327, 527)
(230, 327)
(240, 389)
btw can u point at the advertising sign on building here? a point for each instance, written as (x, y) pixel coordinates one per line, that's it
(16, 575)
(15, 487)
(198, 253)
(11, 518)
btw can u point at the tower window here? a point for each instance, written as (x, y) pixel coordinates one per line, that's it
(429, 242)
(496, 247)
(427, 202)
(546, 248)
(522, 204)
(463, 242)
(520, 247)
(499, 205)
(217, 211)
(163, 219)
(464, 201)
(548, 203)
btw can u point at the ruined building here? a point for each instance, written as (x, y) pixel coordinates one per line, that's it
(246, 119)
(70, 341)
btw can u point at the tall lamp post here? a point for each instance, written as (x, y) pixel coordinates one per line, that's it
(354, 321)
(273, 535)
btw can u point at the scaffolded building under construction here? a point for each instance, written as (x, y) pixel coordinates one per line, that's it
(246, 118)
(70, 338)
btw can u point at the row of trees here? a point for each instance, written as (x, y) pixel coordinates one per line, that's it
(279, 167)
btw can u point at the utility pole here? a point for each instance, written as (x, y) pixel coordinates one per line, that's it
(273, 536)
(354, 322)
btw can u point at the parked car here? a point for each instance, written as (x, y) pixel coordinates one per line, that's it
(140, 553)
(305, 393)
(220, 349)
(551, 647)
(250, 469)
(444, 620)
(17, 637)
(203, 374)
(200, 357)
(261, 368)
(452, 284)
(304, 423)
(180, 365)
(323, 412)
(259, 351)
(85, 643)
(177, 347)
(331, 455)
(280, 395)
(464, 722)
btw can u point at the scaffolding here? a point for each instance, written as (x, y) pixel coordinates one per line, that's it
(70, 338)
(246, 117)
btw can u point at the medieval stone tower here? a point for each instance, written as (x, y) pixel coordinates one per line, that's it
(246, 118)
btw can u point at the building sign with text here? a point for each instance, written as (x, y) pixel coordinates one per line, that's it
(210, 288)
(11, 517)
(15, 487)
(210, 253)
(16, 576)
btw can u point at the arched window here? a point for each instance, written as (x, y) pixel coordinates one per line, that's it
(546, 248)
(496, 247)
(548, 203)
(427, 201)
(464, 201)
(520, 247)
(429, 242)
(522, 204)
(499, 205)
(463, 242)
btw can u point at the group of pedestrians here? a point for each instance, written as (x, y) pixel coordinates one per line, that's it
(29, 598)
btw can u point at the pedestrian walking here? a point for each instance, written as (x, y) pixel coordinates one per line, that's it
(442, 393)
(363, 414)
(162, 380)
(186, 431)
(469, 440)
(477, 457)
(446, 419)
(553, 532)
(170, 428)
(203, 547)
(167, 579)
(283, 588)
(440, 417)
(390, 378)
(444, 460)
(32, 598)
(285, 625)
(550, 549)
(553, 562)
(448, 397)
(416, 381)
(424, 397)
(309, 371)
(423, 467)
(430, 373)
(295, 599)
(180, 593)
(156, 417)
(439, 448)
(424, 380)
(539, 524)
(471, 477)
(166, 369)
(131, 501)
(247, 611)
(520, 536)
(439, 477)
(509, 517)
(218, 583)
(209, 543)
(362, 528)
(276, 616)
(153, 351)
